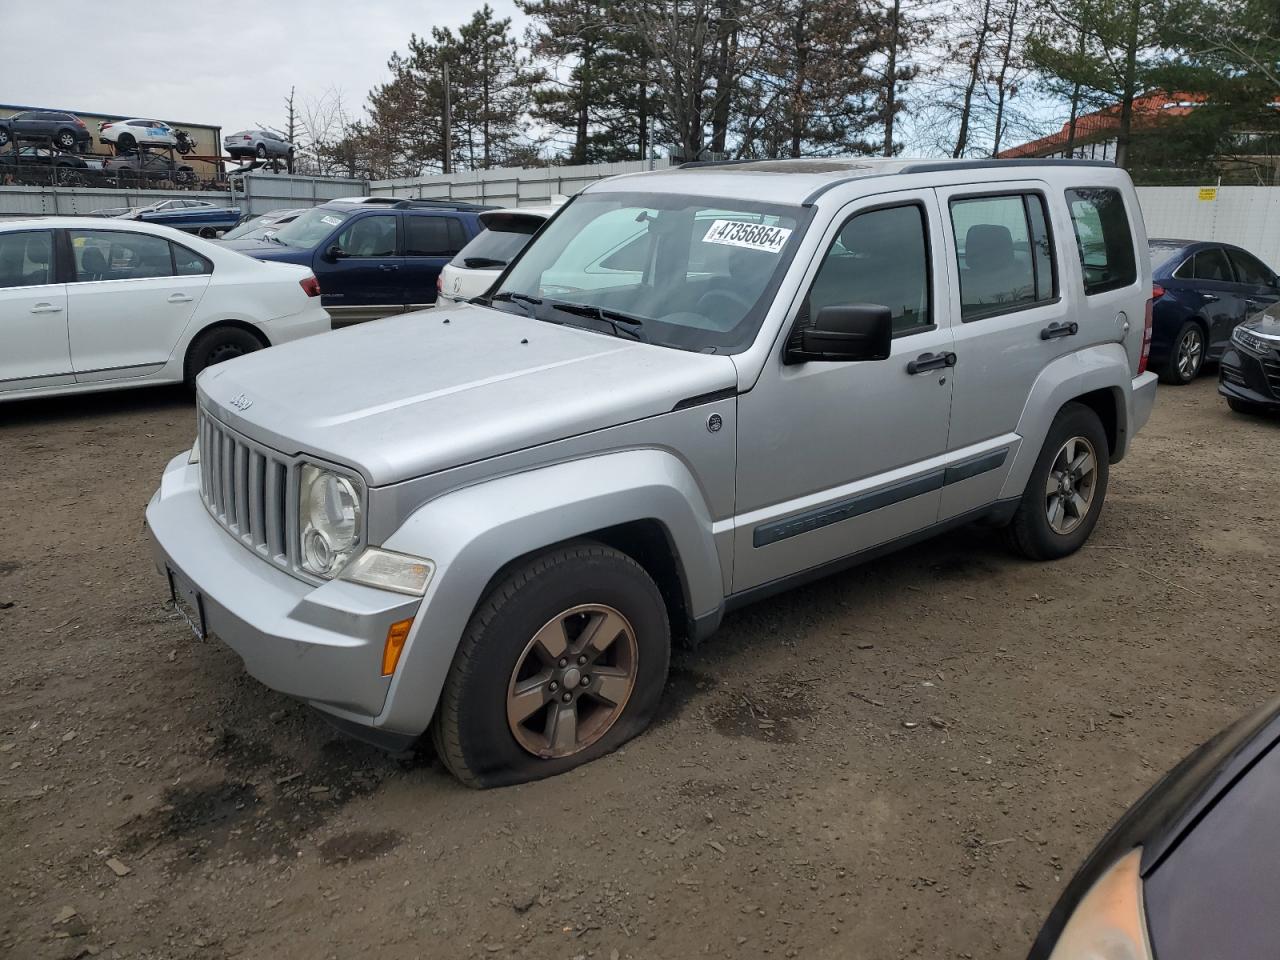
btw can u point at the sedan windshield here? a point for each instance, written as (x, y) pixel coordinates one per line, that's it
(681, 271)
(311, 227)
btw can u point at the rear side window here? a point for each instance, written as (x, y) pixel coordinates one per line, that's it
(26, 258)
(1103, 239)
(433, 237)
(879, 257)
(1208, 264)
(1004, 254)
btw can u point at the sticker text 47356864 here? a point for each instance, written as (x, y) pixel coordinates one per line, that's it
(753, 236)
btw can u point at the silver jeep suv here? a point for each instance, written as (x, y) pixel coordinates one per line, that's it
(694, 388)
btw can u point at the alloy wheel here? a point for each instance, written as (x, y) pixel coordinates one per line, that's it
(572, 681)
(1190, 351)
(1070, 487)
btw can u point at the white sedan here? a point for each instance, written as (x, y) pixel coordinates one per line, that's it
(127, 134)
(87, 304)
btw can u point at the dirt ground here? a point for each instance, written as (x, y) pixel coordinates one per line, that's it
(906, 760)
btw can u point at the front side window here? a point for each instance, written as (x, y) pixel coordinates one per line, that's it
(880, 257)
(1103, 240)
(1004, 254)
(26, 258)
(1249, 269)
(648, 259)
(111, 255)
(369, 237)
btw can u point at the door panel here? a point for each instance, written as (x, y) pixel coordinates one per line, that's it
(33, 313)
(125, 309)
(369, 270)
(835, 458)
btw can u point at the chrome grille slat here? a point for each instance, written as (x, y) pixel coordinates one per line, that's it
(248, 489)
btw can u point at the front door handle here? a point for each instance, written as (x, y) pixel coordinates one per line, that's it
(46, 308)
(179, 298)
(1056, 330)
(1208, 298)
(388, 267)
(931, 361)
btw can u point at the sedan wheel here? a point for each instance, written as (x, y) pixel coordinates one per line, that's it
(572, 681)
(1190, 354)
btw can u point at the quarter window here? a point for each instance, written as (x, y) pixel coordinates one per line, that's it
(1103, 240)
(879, 257)
(1208, 264)
(1004, 254)
(369, 237)
(26, 258)
(1249, 269)
(188, 263)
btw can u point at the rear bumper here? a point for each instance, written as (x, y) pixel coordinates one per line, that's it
(1144, 398)
(322, 644)
(315, 319)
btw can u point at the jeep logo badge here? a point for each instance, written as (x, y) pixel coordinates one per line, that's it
(241, 402)
(715, 422)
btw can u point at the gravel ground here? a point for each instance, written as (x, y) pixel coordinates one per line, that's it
(904, 760)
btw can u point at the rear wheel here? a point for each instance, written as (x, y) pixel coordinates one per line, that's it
(563, 661)
(216, 346)
(262, 151)
(4, 137)
(125, 142)
(1063, 497)
(1187, 356)
(65, 139)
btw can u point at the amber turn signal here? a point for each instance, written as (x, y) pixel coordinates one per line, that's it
(397, 634)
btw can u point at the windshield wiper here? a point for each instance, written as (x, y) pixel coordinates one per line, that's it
(483, 263)
(506, 296)
(616, 319)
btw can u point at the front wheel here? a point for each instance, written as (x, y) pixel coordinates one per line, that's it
(1063, 497)
(564, 660)
(4, 137)
(1186, 357)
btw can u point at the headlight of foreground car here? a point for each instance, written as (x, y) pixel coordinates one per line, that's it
(1109, 923)
(329, 505)
(390, 571)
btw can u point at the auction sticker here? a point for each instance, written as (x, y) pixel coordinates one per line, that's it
(331, 221)
(753, 236)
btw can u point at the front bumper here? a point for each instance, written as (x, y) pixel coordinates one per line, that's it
(322, 644)
(1250, 378)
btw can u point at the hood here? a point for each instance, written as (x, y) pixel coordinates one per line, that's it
(268, 250)
(420, 392)
(1266, 323)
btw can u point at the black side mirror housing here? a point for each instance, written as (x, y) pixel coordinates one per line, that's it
(854, 331)
(333, 253)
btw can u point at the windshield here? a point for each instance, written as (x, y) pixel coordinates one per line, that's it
(497, 246)
(255, 228)
(681, 271)
(310, 227)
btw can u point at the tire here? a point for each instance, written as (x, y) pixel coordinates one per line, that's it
(4, 136)
(1031, 532)
(65, 139)
(216, 345)
(262, 151)
(1186, 357)
(125, 142)
(1244, 406)
(472, 731)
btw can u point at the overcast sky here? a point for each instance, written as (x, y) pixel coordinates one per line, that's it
(225, 64)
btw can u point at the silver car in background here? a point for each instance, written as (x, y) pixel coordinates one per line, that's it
(260, 143)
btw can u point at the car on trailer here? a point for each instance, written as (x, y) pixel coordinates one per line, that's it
(63, 130)
(126, 135)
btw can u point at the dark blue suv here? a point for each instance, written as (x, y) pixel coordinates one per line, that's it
(372, 258)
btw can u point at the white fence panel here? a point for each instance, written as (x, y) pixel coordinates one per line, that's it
(524, 186)
(1246, 216)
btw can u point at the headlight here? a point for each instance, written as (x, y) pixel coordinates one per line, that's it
(194, 455)
(329, 520)
(390, 571)
(1109, 923)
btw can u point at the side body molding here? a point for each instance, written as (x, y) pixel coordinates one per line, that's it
(1101, 367)
(471, 533)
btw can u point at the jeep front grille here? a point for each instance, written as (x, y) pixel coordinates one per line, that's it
(249, 489)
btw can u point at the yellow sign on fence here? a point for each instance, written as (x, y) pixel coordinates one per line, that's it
(1208, 193)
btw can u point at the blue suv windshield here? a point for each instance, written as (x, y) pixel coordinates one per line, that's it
(311, 227)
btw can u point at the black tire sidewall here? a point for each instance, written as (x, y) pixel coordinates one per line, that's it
(1173, 374)
(207, 344)
(1035, 537)
(474, 700)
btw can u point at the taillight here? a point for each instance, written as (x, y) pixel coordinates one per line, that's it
(439, 283)
(1156, 293)
(310, 286)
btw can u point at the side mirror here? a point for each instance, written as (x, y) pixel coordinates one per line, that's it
(333, 253)
(855, 331)
(218, 234)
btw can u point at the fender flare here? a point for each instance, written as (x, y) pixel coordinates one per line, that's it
(470, 534)
(1097, 368)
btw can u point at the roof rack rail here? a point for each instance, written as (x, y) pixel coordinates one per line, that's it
(940, 166)
(440, 205)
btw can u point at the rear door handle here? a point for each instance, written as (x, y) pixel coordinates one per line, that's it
(931, 361)
(1056, 330)
(46, 308)
(179, 298)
